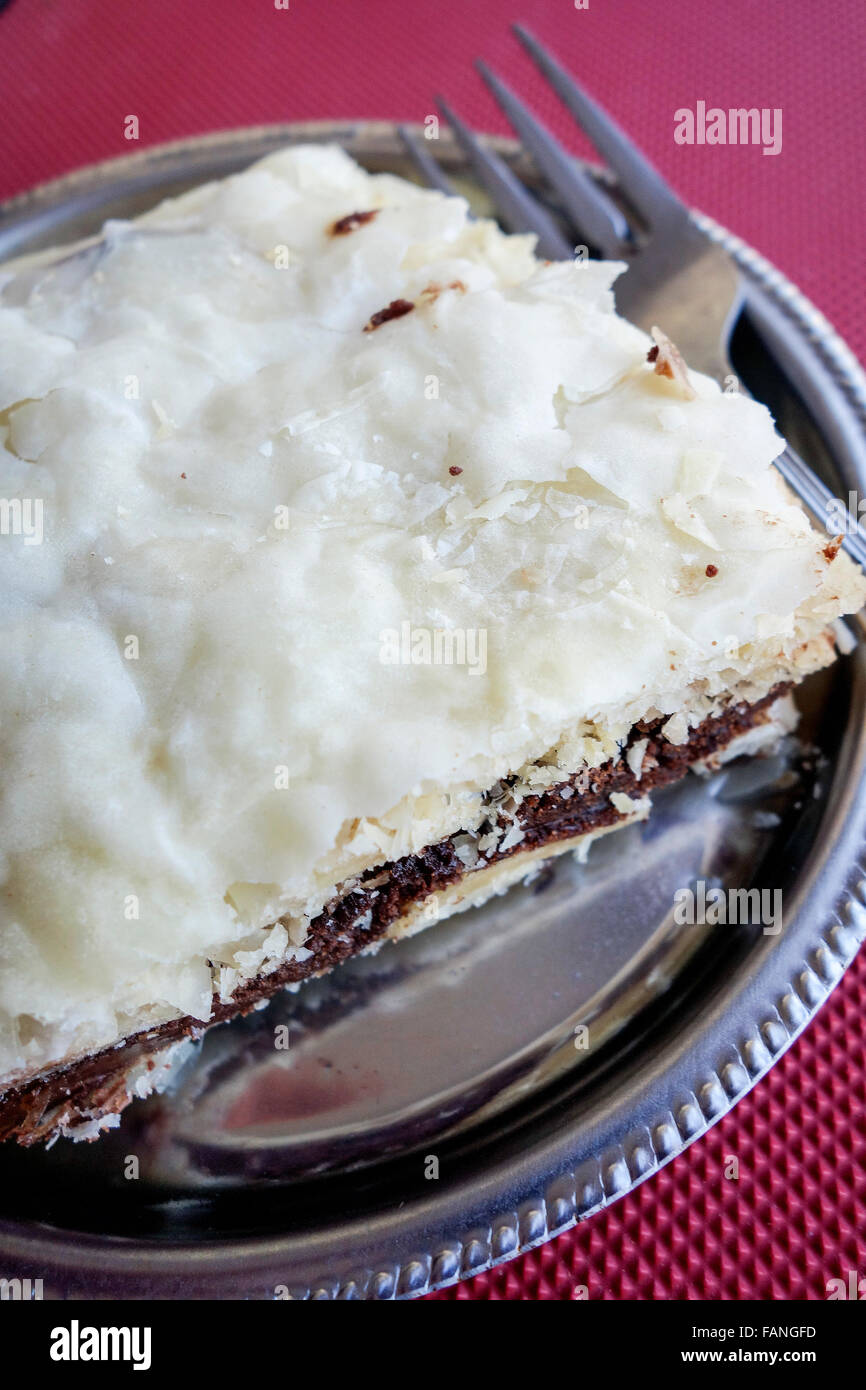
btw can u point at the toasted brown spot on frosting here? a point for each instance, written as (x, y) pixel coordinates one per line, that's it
(395, 310)
(352, 221)
(831, 549)
(431, 292)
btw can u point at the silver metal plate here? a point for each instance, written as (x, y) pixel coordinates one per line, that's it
(440, 1107)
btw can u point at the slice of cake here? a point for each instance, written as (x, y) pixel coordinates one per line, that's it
(354, 562)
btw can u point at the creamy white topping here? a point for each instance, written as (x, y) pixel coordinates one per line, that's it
(225, 682)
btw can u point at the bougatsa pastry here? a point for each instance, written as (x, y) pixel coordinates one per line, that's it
(355, 563)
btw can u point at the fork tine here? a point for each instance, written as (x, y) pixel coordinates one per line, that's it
(424, 162)
(639, 181)
(597, 216)
(519, 210)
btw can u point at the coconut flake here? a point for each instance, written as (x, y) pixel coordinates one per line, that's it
(635, 756)
(669, 362)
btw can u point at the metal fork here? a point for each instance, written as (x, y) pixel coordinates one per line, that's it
(677, 277)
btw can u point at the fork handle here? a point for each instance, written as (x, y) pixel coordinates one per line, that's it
(829, 409)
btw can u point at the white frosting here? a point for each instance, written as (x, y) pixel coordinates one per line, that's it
(247, 502)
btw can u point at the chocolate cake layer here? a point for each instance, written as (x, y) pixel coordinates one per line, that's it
(96, 1085)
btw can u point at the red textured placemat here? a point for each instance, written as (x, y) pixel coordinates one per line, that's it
(791, 1221)
(73, 70)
